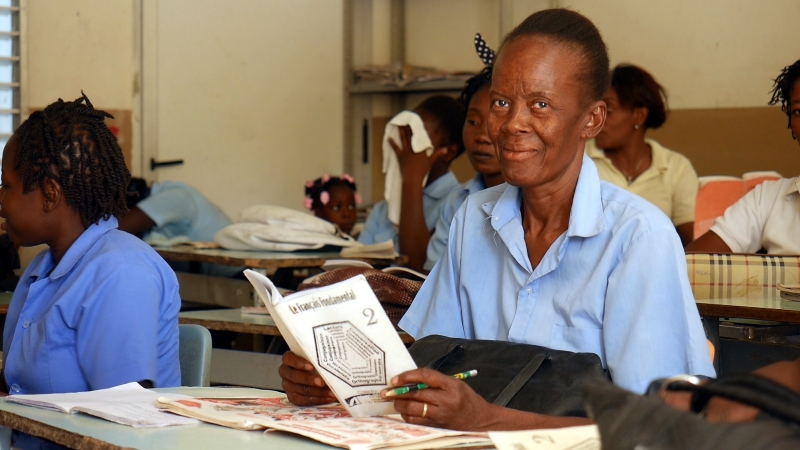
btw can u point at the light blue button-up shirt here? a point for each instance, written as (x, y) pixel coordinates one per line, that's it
(379, 228)
(106, 315)
(438, 242)
(613, 284)
(179, 210)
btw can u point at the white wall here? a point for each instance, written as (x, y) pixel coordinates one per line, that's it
(708, 54)
(249, 94)
(80, 44)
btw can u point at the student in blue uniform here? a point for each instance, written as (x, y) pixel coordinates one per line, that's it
(170, 209)
(554, 257)
(99, 308)
(482, 157)
(443, 118)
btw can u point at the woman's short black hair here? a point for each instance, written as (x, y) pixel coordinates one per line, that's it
(450, 114)
(782, 90)
(570, 27)
(70, 143)
(638, 89)
(474, 84)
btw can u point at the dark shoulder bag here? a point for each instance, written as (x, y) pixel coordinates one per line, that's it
(630, 421)
(518, 376)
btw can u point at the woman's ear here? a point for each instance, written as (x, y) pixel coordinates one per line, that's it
(53, 194)
(596, 119)
(452, 153)
(640, 116)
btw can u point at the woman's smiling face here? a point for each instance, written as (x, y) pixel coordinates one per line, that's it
(538, 110)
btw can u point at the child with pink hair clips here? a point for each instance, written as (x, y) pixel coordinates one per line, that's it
(333, 199)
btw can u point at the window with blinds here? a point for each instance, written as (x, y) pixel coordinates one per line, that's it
(9, 69)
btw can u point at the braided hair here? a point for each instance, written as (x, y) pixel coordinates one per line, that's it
(70, 143)
(782, 90)
(319, 188)
(474, 84)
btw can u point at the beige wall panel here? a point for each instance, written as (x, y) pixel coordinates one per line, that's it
(440, 33)
(80, 44)
(708, 54)
(732, 141)
(250, 96)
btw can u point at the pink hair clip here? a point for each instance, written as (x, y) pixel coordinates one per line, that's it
(357, 196)
(326, 178)
(309, 184)
(324, 197)
(307, 202)
(348, 178)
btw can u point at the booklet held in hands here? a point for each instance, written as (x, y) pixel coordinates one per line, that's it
(344, 332)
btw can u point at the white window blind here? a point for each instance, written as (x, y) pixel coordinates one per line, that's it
(9, 69)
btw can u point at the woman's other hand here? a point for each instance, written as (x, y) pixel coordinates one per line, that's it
(302, 384)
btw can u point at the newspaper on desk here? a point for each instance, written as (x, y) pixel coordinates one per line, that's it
(344, 332)
(585, 437)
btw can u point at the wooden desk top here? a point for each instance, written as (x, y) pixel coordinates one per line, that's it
(234, 320)
(5, 300)
(758, 308)
(256, 260)
(86, 432)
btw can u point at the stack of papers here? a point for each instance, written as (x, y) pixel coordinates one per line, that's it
(129, 404)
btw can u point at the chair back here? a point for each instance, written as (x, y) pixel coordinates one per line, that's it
(718, 192)
(195, 355)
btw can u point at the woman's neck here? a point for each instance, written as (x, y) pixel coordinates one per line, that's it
(492, 179)
(631, 159)
(68, 232)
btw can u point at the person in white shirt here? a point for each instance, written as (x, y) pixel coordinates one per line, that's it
(767, 217)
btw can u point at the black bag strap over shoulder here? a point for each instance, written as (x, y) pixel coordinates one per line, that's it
(519, 381)
(749, 389)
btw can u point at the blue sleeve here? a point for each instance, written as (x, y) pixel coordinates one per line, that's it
(438, 243)
(169, 206)
(437, 306)
(651, 327)
(378, 228)
(122, 337)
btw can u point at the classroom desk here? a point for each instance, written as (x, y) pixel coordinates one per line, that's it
(80, 431)
(5, 300)
(757, 308)
(242, 368)
(234, 320)
(752, 308)
(257, 259)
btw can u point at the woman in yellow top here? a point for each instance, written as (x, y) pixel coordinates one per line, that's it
(636, 103)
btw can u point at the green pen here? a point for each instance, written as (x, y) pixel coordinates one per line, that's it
(405, 389)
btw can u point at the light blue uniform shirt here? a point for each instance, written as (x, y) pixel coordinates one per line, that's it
(613, 284)
(438, 242)
(379, 228)
(106, 315)
(179, 210)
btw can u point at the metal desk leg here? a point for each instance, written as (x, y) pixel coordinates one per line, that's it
(711, 326)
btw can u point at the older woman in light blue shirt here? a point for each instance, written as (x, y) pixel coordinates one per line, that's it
(555, 257)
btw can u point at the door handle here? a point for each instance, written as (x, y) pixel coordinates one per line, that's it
(155, 164)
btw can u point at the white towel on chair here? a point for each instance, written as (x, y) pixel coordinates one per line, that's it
(420, 142)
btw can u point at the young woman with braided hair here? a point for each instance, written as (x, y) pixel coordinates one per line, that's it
(99, 307)
(475, 134)
(767, 217)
